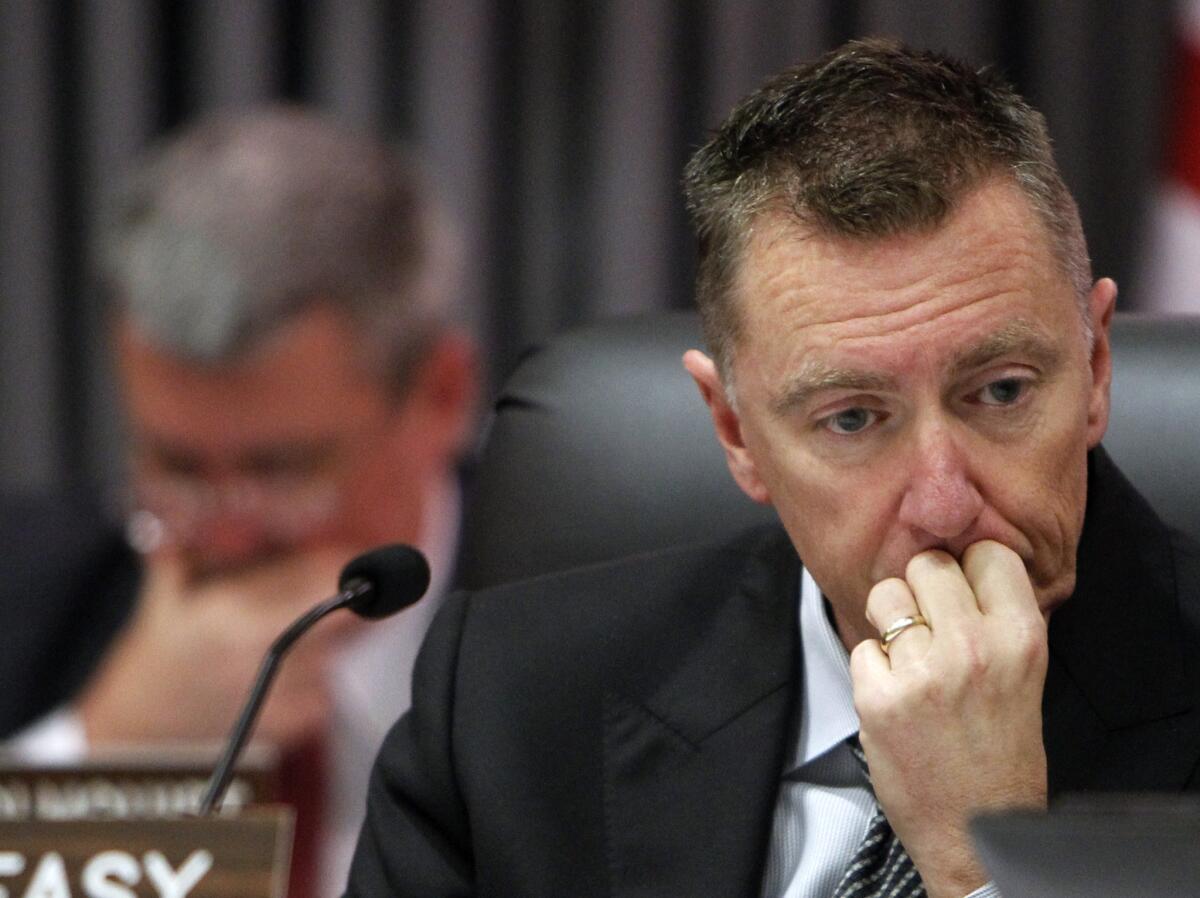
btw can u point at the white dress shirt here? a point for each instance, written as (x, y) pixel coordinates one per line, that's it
(825, 801)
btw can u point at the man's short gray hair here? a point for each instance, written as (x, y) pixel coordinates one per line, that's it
(869, 141)
(239, 223)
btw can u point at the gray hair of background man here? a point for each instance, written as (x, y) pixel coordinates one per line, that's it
(240, 222)
(869, 141)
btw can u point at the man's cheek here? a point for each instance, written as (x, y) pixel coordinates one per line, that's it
(1051, 524)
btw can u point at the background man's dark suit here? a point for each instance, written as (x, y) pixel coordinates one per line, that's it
(68, 581)
(621, 730)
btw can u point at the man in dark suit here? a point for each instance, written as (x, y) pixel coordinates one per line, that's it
(298, 388)
(967, 608)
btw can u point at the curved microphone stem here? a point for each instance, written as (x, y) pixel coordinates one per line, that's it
(223, 773)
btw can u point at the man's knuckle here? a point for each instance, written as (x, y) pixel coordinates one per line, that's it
(1032, 649)
(860, 659)
(1025, 641)
(884, 590)
(978, 663)
(879, 704)
(917, 566)
(926, 563)
(886, 599)
(930, 691)
(984, 550)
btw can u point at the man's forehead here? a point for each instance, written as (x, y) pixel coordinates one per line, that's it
(792, 279)
(993, 213)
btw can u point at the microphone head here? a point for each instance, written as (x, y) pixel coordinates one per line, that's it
(398, 575)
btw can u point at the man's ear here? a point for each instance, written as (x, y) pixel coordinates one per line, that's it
(727, 425)
(445, 393)
(1102, 300)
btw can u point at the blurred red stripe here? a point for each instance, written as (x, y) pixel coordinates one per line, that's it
(1184, 159)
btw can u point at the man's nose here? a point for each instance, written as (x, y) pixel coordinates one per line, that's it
(940, 499)
(230, 540)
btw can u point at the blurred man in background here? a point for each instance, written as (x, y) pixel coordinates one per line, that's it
(297, 391)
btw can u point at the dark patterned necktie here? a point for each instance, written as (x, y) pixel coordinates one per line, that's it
(881, 868)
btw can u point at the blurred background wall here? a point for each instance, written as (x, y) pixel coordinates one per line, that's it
(555, 130)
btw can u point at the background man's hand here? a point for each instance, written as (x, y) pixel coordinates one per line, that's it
(951, 716)
(185, 662)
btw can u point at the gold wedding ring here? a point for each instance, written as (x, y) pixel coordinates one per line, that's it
(898, 626)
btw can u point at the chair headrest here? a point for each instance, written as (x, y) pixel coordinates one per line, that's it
(601, 446)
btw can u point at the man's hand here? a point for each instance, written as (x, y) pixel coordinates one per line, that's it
(951, 716)
(182, 667)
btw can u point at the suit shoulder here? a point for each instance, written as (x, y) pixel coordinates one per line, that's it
(67, 582)
(53, 536)
(1187, 576)
(697, 570)
(621, 618)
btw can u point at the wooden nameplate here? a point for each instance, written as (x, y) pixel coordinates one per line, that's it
(244, 856)
(124, 825)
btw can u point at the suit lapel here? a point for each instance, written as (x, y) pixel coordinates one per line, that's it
(1119, 704)
(692, 761)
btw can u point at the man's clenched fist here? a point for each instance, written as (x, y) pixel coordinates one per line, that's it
(951, 715)
(184, 664)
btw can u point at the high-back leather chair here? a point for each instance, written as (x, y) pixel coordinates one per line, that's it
(601, 447)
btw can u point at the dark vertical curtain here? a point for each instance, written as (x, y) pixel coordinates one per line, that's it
(555, 130)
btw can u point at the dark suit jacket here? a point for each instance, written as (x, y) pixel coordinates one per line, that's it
(620, 730)
(68, 581)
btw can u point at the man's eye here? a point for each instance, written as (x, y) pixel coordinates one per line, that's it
(1002, 392)
(850, 420)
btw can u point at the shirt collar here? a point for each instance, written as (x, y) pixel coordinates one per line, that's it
(827, 715)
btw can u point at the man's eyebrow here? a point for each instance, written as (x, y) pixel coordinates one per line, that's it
(298, 452)
(816, 377)
(1017, 338)
(170, 455)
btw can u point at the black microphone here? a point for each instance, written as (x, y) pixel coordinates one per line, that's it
(374, 585)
